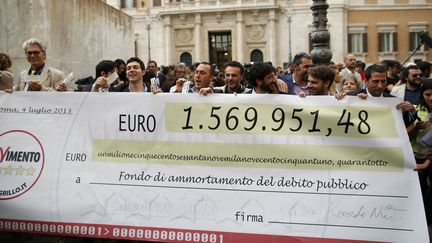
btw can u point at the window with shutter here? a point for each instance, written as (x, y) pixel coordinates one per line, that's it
(365, 43)
(394, 47)
(157, 3)
(127, 3)
(415, 28)
(350, 36)
(357, 42)
(387, 42)
(426, 47)
(380, 42)
(412, 41)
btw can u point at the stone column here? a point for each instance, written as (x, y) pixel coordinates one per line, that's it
(240, 38)
(168, 40)
(288, 12)
(320, 53)
(272, 37)
(197, 39)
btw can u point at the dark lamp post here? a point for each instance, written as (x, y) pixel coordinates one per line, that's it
(320, 37)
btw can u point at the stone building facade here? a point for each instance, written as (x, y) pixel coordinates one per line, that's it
(78, 33)
(81, 33)
(274, 30)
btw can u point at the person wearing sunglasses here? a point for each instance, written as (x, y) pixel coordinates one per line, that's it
(411, 81)
(39, 77)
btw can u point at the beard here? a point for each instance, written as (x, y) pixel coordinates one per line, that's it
(414, 84)
(268, 88)
(304, 76)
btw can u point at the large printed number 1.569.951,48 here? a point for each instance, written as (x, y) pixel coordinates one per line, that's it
(248, 119)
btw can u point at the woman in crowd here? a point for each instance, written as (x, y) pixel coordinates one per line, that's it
(6, 76)
(122, 83)
(336, 82)
(420, 134)
(350, 84)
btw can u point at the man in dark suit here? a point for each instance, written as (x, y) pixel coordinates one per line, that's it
(376, 83)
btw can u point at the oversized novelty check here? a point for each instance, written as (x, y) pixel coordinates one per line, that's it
(217, 168)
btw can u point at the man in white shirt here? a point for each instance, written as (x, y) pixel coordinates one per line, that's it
(350, 62)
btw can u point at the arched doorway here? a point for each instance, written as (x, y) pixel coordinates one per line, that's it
(186, 58)
(256, 56)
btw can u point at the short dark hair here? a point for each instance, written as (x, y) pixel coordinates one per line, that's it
(235, 64)
(164, 70)
(424, 66)
(148, 76)
(405, 72)
(323, 72)
(105, 66)
(194, 66)
(136, 59)
(259, 71)
(299, 56)
(360, 64)
(119, 62)
(212, 67)
(391, 64)
(374, 68)
(151, 61)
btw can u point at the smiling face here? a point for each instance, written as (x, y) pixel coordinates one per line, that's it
(414, 78)
(35, 55)
(303, 68)
(269, 83)
(134, 72)
(317, 86)
(233, 77)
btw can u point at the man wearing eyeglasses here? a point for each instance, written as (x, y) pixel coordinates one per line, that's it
(409, 90)
(180, 79)
(39, 77)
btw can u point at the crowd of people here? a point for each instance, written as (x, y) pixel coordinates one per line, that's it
(385, 78)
